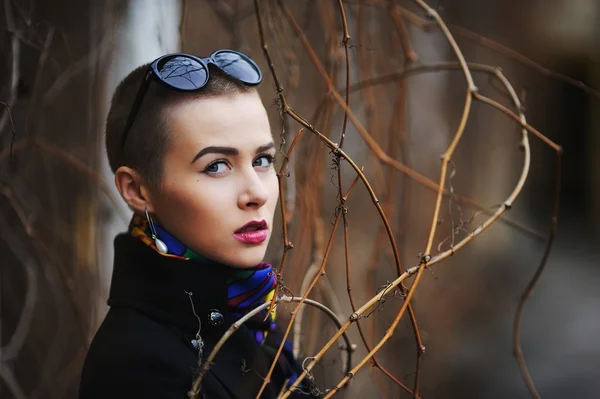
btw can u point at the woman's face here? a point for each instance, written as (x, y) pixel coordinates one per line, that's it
(219, 188)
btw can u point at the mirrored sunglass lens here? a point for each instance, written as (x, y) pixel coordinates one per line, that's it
(182, 73)
(235, 65)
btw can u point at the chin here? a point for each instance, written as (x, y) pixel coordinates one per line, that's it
(247, 261)
(248, 257)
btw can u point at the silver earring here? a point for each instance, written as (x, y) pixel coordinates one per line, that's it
(161, 246)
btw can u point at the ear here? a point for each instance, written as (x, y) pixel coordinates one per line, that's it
(133, 189)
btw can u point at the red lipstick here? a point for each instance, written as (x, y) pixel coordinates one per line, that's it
(253, 232)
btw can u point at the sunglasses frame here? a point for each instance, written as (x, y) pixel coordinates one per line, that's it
(154, 74)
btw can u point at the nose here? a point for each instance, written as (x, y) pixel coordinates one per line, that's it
(254, 193)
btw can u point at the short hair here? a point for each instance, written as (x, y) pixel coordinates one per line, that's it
(148, 137)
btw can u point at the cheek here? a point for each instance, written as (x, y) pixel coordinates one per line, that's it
(197, 217)
(191, 200)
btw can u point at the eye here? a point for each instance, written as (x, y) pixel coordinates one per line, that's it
(217, 167)
(263, 161)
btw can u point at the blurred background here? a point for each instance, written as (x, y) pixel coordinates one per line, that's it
(59, 211)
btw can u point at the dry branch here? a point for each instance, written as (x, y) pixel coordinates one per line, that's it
(517, 351)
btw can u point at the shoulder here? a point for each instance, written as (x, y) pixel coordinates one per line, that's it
(128, 337)
(132, 354)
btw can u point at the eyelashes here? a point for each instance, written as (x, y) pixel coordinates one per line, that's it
(213, 167)
(268, 157)
(221, 166)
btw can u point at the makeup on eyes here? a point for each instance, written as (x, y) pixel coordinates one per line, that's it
(270, 159)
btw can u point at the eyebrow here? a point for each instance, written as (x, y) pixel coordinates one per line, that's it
(228, 150)
(265, 147)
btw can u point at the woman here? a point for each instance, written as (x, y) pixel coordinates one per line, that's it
(192, 154)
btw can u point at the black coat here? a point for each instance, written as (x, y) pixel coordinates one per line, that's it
(143, 349)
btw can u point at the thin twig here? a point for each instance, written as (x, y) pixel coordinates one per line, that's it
(287, 245)
(402, 33)
(345, 40)
(342, 209)
(514, 116)
(517, 350)
(329, 294)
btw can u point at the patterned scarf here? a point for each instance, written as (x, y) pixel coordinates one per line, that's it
(246, 288)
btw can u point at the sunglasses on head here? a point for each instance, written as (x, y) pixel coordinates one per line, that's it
(186, 72)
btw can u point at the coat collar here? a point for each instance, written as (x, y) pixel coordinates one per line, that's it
(158, 286)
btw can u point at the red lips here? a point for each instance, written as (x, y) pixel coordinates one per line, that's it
(253, 232)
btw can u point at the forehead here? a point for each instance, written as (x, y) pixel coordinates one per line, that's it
(236, 120)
